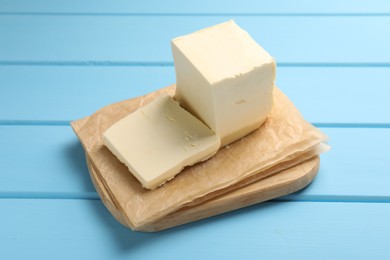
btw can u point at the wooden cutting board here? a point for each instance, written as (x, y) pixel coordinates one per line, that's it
(276, 185)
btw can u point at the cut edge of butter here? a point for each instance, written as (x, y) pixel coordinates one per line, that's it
(226, 91)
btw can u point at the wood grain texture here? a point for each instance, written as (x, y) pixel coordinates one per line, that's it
(198, 7)
(334, 64)
(51, 94)
(42, 161)
(94, 40)
(355, 169)
(81, 229)
(279, 184)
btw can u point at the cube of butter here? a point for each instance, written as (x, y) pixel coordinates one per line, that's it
(224, 78)
(158, 140)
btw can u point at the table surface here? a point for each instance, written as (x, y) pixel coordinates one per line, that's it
(60, 61)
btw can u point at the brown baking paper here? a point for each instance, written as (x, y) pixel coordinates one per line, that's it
(279, 184)
(284, 137)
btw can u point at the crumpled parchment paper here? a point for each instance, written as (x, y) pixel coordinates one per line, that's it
(285, 139)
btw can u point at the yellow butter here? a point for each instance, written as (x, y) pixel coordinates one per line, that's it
(158, 140)
(225, 79)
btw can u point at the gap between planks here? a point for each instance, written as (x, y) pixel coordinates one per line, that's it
(67, 123)
(170, 64)
(288, 198)
(281, 14)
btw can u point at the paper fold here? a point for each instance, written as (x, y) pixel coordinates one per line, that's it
(283, 140)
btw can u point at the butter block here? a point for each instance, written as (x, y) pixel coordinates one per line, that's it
(158, 140)
(225, 79)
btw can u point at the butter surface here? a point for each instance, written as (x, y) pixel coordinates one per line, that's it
(225, 79)
(158, 140)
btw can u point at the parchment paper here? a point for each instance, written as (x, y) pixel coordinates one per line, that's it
(282, 138)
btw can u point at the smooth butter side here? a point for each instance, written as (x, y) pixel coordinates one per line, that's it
(158, 140)
(224, 78)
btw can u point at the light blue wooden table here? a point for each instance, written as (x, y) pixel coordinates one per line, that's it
(62, 60)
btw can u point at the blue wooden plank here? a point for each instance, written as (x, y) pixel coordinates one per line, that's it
(119, 40)
(79, 229)
(196, 7)
(356, 169)
(42, 162)
(54, 93)
(48, 161)
(338, 95)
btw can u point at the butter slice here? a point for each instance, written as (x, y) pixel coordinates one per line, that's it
(158, 140)
(225, 79)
